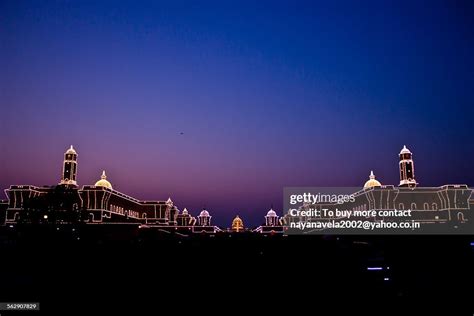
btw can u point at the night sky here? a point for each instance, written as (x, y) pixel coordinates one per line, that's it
(222, 104)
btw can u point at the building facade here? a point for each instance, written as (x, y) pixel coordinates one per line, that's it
(96, 204)
(102, 204)
(452, 205)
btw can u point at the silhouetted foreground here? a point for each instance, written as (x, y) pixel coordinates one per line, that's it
(78, 269)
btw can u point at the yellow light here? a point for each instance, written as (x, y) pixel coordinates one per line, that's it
(237, 224)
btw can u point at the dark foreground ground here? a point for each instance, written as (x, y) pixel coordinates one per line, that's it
(94, 270)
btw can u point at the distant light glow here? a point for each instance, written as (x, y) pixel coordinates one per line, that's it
(472, 244)
(45, 217)
(374, 268)
(386, 279)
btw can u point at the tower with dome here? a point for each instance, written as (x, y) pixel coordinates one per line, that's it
(69, 174)
(103, 203)
(407, 168)
(451, 204)
(273, 223)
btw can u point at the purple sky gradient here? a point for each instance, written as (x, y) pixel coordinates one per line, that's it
(267, 95)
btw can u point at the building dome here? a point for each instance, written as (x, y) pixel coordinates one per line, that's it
(103, 181)
(185, 211)
(271, 213)
(237, 224)
(71, 151)
(405, 150)
(372, 182)
(204, 213)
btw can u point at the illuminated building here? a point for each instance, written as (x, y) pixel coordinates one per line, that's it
(103, 181)
(273, 224)
(188, 223)
(407, 168)
(102, 203)
(448, 204)
(69, 174)
(204, 219)
(271, 218)
(99, 203)
(237, 224)
(185, 219)
(204, 223)
(371, 182)
(453, 204)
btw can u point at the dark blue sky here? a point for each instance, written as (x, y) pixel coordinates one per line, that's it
(267, 94)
